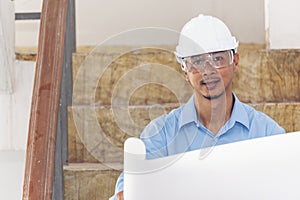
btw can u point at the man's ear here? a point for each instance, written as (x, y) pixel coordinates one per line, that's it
(187, 78)
(236, 59)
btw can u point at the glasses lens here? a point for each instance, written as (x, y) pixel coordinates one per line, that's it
(217, 60)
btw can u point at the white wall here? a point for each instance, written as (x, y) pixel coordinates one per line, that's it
(15, 108)
(283, 28)
(12, 174)
(7, 46)
(16, 83)
(99, 20)
(27, 31)
(14, 118)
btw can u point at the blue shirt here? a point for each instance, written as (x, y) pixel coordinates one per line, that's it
(181, 131)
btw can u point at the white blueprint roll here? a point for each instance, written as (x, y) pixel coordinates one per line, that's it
(262, 168)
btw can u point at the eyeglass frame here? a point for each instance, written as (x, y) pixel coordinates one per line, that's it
(210, 61)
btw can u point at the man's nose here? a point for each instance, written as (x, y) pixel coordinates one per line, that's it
(208, 68)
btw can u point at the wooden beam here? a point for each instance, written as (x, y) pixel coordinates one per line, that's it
(61, 152)
(39, 168)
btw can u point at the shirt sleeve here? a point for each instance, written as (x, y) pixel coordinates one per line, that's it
(154, 138)
(119, 186)
(276, 129)
(272, 127)
(260, 124)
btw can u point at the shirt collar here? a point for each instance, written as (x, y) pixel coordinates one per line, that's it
(189, 113)
(239, 113)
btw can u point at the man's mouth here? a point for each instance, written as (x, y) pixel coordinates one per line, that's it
(210, 84)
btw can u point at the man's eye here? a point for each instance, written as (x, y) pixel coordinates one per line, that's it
(197, 62)
(218, 58)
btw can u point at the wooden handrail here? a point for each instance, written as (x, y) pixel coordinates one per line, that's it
(39, 167)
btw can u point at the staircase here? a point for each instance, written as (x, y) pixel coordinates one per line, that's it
(118, 90)
(114, 103)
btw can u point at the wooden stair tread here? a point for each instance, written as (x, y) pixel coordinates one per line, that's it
(82, 167)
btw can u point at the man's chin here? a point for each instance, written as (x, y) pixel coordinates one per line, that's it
(213, 96)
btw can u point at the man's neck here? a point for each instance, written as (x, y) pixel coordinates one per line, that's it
(214, 113)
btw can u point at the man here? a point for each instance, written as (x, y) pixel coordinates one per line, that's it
(214, 115)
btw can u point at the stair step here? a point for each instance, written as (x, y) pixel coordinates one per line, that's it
(111, 105)
(89, 143)
(26, 53)
(269, 76)
(141, 75)
(264, 76)
(286, 115)
(97, 135)
(89, 181)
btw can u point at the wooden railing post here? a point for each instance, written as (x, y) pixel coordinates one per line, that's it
(39, 167)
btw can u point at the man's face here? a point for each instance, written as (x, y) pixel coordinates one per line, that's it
(211, 82)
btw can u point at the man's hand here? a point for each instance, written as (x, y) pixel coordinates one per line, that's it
(120, 196)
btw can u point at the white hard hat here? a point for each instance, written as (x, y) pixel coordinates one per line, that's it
(204, 34)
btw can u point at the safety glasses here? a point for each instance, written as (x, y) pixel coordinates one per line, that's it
(216, 60)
